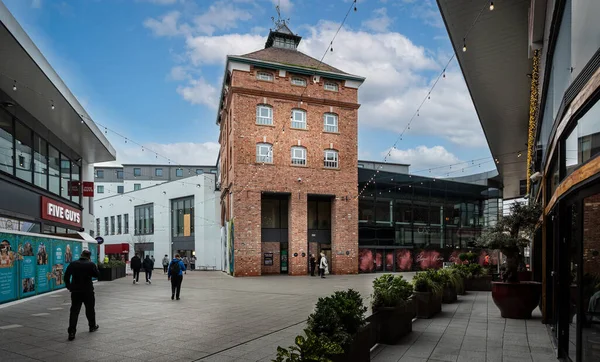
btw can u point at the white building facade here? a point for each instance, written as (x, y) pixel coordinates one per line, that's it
(179, 216)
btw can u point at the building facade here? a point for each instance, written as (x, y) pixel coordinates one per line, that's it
(555, 110)
(173, 217)
(288, 134)
(47, 142)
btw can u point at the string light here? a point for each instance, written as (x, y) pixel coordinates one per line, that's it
(464, 45)
(15, 86)
(491, 5)
(52, 106)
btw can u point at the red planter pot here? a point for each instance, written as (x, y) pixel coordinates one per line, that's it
(516, 300)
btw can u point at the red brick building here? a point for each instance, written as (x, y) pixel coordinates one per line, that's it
(288, 134)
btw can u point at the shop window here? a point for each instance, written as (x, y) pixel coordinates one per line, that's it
(182, 217)
(553, 180)
(583, 143)
(6, 140)
(40, 163)
(420, 214)
(590, 281)
(144, 219)
(23, 149)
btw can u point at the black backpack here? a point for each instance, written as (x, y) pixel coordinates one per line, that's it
(174, 269)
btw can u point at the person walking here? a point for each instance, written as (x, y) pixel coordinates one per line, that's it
(136, 265)
(148, 267)
(105, 259)
(176, 270)
(186, 261)
(193, 262)
(152, 257)
(165, 263)
(313, 263)
(78, 280)
(323, 265)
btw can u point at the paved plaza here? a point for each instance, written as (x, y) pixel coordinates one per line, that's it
(220, 318)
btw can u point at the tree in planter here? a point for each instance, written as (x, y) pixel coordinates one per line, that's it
(511, 234)
(310, 348)
(390, 291)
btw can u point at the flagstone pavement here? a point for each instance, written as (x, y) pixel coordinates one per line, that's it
(221, 318)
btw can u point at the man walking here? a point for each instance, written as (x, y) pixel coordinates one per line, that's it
(323, 265)
(176, 269)
(136, 265)
(78, 280)
(313, 263)
(165, 263)
(148, 267)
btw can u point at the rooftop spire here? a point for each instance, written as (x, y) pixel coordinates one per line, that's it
(282, 36)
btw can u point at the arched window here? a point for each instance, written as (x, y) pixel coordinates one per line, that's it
(299, 118)
(330, 122)
(331, 159)
(298, 155)
(264, 153)
(264, 114)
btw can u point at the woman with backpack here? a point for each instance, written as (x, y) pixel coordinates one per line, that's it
(176, 270)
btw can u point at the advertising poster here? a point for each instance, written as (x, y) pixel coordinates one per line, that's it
(27, 285)
(58, 264)
(76, 251)
(366, 261)
(68, 255)
(429, 259)
(42, 257)
(404, 260)
(8, 268)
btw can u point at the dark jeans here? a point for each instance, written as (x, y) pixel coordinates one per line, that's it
(176, 285)
(312, 270)
(77, 299)
(148, 274)
(193, 266)
(166, 268)
(321, 272)
(136, 275)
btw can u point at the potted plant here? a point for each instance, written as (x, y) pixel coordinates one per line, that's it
(427, 294)
(341, 318)
(112, 270)
(515, 298)
(393, 307)
(309, 348)
(452, 284)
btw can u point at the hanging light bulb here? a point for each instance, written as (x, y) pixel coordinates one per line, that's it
(52, 106)
(464, 45)
(444, 74)
(15, 86)
(491, 5)
(125, 139)
(332, 49)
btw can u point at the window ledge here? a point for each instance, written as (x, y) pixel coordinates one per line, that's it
(264, 163)
(331, 132)
(331, 168)
(300, 129)
(265, 125)
(295, 165)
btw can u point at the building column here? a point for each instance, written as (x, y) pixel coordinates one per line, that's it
(344, 235)
(298, 233)
(247, 233)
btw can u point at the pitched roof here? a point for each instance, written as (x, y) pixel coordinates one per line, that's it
(290, 57)
(284, 29)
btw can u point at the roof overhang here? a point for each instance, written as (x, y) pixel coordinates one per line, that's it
(496, 66)
(22, 61)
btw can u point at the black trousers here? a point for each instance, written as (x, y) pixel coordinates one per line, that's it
(77, 299)
(136, 275)
(312, 269)
(321, 272)
(176, 285)
(148, 274)
(166, 268)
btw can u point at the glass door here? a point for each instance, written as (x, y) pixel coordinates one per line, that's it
(284, 259)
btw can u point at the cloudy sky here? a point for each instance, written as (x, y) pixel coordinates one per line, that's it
(152, 69)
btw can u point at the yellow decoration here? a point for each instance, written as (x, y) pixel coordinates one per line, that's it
(533, 105)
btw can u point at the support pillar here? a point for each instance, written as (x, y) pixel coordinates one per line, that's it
(344, 235)
(298, 233)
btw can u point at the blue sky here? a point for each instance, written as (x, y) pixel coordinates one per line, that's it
(151, 70)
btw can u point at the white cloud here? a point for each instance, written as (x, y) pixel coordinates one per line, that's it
(380, 22)
(36, 4)
(220, 17)
(285, 6)
(198, 91)
(214, 49)
(427, 11)
(179, 73)
(422, 157)
(183, 153)
(167, 25)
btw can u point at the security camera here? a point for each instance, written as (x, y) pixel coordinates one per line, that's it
(299, 179)
(536, 177)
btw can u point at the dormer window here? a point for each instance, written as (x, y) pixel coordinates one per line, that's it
(264, 76)
(285, 43)
(331, 86)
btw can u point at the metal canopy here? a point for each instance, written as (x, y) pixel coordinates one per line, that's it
(496, 66)
(22, 61)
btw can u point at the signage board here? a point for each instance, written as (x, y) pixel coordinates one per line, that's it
(100, 240)
(74, 187)
(57, 211)
(88, 189)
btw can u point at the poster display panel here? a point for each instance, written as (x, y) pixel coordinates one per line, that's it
(27, 266)
(8, 267)
(58, 263)
(42, 257)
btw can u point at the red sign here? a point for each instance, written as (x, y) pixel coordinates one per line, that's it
(88, 189)
(74, 188)
(57, 211)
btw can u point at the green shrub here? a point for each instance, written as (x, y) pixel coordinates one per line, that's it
(428, 281)
(338, 317)
(463, 257)
(468, 270)
(111, 264)
(453, 278)
(472, 257)
(309, 348)
(390, 291)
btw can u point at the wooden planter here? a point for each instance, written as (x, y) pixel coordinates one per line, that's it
(360, 349)
(394, 323)
(427, 304)
(108, 274)
(479, 284)
(450, 295)
(463, 290)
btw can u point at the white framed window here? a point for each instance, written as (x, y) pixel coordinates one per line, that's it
(264, 76)
(264, 153)
(298, 155)
(330, 122)
(298, 118)
(264, 115)
(299, 81)
(331, 86)
(331, 159)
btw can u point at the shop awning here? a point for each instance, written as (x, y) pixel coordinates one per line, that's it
(116, 248)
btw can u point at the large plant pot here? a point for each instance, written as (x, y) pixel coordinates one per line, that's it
(450, 295)
(427, 304)
(393, 323)
(524, 276)
(479, 284)
(516, 300)
(360, 349)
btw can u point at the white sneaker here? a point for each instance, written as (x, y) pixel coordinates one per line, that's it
(134, 282)
(149, 281)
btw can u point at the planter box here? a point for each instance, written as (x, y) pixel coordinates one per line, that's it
(394, 323)
(450, 295)
(427, 304)
(360, 349)
(479, 284)
(108, 274)
(516, 300)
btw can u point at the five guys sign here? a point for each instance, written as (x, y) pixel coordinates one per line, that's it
(57, 211)
(88, 188)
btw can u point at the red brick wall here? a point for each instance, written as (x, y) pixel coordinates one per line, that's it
(248, 179)
(271, 247)
(591, 235)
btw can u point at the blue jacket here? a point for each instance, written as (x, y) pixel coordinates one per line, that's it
(181, 266)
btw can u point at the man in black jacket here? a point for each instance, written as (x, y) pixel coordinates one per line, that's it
(148, 267)
(136, 265)
(78, 279)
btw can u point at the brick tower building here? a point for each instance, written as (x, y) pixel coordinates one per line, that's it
(288, 159)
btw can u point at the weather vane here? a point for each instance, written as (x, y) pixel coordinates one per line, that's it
(279, 22)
